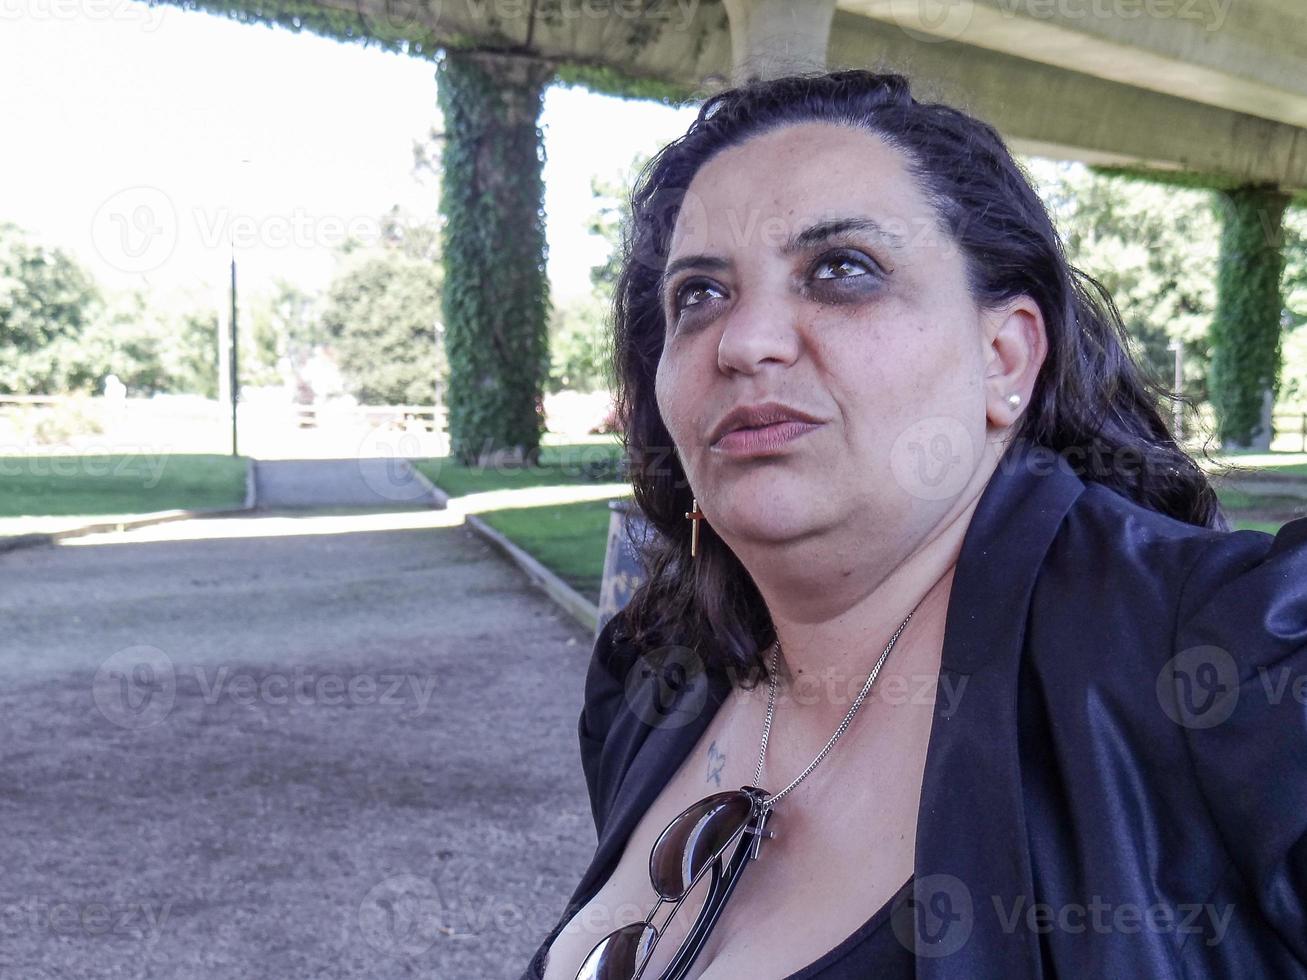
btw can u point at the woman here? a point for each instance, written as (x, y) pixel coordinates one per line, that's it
(905, 433)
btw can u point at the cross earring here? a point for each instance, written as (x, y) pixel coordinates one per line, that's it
(695, 515)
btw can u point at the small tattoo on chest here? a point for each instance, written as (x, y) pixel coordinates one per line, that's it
(716, 760)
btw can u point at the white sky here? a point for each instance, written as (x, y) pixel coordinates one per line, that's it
(125, 126)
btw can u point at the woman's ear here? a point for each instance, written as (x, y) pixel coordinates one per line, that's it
(1016, 345)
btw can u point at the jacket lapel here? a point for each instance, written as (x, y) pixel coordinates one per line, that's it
(972, 858)
(648, 750)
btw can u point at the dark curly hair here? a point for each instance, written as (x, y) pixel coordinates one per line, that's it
(1091, 402)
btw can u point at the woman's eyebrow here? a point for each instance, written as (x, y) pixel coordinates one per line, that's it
(829, 229)
(804, 239)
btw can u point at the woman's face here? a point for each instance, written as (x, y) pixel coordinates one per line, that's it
(806, 268)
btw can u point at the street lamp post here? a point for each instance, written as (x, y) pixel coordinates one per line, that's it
(233, 363)
(233, 353)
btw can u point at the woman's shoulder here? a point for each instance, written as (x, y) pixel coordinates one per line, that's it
(1116, 538)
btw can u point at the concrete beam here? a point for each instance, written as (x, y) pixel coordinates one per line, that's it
(1076, 116)
(1249, 56)
(777, 37)
(683, 50)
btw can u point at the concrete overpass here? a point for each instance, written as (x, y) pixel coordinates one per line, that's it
(1207, 93)
(1212, 88)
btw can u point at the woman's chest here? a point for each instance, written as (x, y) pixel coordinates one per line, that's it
(844, 843)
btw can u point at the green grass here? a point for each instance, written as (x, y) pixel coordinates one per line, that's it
(1235, 500)
(562, 465)
(1285, 464)
(58, 486)
(569, 539)
(1270, 527)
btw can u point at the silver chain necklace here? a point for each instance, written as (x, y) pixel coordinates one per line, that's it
(771, 801)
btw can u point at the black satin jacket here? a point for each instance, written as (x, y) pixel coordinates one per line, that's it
(1120, 788)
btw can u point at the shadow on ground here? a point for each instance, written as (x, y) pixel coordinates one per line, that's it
(328, 756)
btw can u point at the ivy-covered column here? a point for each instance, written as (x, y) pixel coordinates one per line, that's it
(1246, 332)
(496, 295)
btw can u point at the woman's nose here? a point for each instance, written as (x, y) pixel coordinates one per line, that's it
(761, 327)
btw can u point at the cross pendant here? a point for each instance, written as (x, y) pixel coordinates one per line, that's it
(695, 515)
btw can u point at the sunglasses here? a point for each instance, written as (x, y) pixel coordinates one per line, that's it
(691, 845)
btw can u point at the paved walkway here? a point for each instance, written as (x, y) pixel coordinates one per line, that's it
(302, 483)
(250, 753)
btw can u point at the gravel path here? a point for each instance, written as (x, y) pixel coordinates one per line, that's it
(344, 755)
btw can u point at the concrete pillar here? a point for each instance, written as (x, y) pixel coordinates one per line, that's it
(495, 296)
(1246, 329)
(777, 37)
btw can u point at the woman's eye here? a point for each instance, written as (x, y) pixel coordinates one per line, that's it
(691, 289)
(846, 266)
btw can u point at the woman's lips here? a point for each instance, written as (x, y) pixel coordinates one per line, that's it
(764, 439)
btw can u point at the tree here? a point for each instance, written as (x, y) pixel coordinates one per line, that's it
(128, 340)
(381, 315)
(1154, 248)
(285, 329)
(47, 301)
(609, 221)
(580, 346)
(192, 356)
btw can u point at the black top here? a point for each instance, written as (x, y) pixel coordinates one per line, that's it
(1115, 783)
(875, 942)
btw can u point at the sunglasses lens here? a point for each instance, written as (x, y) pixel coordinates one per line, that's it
(694, 839)
(619, 954)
